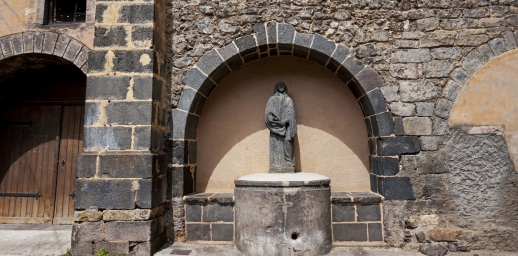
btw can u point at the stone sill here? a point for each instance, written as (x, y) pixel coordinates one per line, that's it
(336, 198)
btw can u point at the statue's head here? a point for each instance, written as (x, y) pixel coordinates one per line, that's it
(280, 87)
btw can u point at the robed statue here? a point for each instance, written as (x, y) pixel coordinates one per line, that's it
(280, 119)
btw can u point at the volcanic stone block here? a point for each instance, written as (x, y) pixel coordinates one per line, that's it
(198, 232)
(260, 36)
(209, 62)
(246, 45)
(382, 124)
(472, 62)
(365, 197)
(83, 234)
(193, 213)
(136, 13)
(392, 146)
(411, 55)
(217, 212)
(343, 213)
(152, 192)
(354, 67)
(181, 180)
(143, 87)
(302, 44)
(28, 42)
(321, 50)
(384, 166)
(72, 50)
(198, 81)
(374, 183)
(368, 80)
(112, 138)
(128, 165)
(337, 58)
(81, 57)
(86, 164)
(142, 138)
(396, 188)
(184, 125)
(271, 32)
(368, 212)
(398, 126)
(129, 113)
(49, 42)
(113, 194)
(6, 44)
(222, 232)
(96, 61)
(230, 55)
(18, 44)
(372, 146)
(375, 232)
(460, 76)
(112, 247)
(134, 231)
(356, 232)
(275, 214)
(134, 61)
(373, 103)
(286, 34)
(107, 87)
(142, 35)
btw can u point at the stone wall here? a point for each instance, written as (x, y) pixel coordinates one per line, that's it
(425, 51)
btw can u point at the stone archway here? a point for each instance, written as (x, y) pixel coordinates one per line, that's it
(52, 43)
(281, 39)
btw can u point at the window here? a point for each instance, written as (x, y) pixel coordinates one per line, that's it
(61, 11)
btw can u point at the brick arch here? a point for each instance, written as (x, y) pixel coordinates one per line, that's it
(274, 39)
(51, 43)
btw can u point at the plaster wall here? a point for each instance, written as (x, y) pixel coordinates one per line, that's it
(233, 140)
(490, 98)
(18, 16)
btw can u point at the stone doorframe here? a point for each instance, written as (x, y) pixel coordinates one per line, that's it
(275, 39)
(51, 43)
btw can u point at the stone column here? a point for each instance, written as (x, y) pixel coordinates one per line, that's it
(121, 175)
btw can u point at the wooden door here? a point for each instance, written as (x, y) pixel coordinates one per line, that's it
(71, 145)
(38, 148)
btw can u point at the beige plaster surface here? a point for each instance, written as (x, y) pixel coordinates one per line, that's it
(233, 140)
(26, 15)
(490, 97)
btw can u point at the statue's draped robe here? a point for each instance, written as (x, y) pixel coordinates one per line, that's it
(280, 108)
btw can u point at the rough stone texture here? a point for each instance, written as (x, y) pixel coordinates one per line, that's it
(417, 125)
(433, 249)
(302, 224)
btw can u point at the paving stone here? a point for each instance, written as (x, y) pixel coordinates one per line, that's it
(217, 212)
(460, 76)
(509, 39)
(350, 232)
(135, 231)
(453, 53)
(433, 249)
(193, 213)
(375, 232)
(343, 213)
(437, 69)
(498, 46)
(368, 212)
(443, 108)
(222, 232)
(390, 93)
(405, 71)
(430, 142)
(402, 109)
(198, 232)
(440, 126)
(417, 125)
(411, 55)
(422, 90)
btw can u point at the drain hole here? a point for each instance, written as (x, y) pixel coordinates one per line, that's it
(294, 236)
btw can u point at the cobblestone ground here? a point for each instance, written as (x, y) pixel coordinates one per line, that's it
(228, 250)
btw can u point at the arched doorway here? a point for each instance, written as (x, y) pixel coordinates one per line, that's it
(42, 100)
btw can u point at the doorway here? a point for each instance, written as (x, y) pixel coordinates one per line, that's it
(41, 134)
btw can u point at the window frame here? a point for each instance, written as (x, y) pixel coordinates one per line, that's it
(50, 14)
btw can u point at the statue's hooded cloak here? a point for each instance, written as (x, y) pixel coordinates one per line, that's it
(280, 119)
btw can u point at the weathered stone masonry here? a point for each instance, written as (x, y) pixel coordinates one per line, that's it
(424, 51)
(121, 176)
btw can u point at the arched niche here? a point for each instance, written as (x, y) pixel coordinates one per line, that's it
(233, 141)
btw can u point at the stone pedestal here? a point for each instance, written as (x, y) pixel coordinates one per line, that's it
(283, 214)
